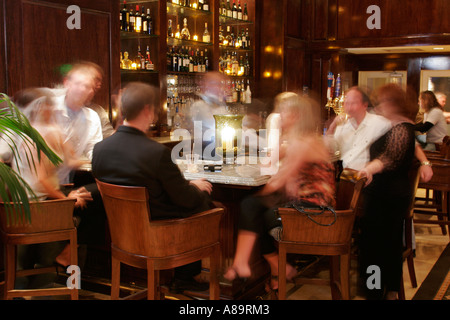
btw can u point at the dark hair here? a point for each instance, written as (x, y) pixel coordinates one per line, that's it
(135, 96)
(430, 100)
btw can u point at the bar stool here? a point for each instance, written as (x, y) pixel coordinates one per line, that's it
(301, 235)
(51, 221)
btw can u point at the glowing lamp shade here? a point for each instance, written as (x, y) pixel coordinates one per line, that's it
(228, 136)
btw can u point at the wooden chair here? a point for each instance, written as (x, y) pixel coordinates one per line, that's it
(440, 184)
(302, 236)
(51, 221)
(157, 245)
(408, 254)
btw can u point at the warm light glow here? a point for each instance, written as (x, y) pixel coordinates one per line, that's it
(269, 49)
(194, 5)
(134, 66)
(438, 48)
(177, 35)
(195, 37)
(225, 42)
(277, 75)
(267, 74)
(228, 135)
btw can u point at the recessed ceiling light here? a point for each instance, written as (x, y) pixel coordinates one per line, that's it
(438, 48)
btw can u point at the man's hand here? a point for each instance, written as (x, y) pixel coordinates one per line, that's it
(202, 185)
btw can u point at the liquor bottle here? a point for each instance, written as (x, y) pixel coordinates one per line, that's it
(202, 63)
(229, 10)
(242, 96)
(195, 58)
(169, 29)
(180, 60)
(223, 8)
(191, 61)
(245, 14)
(148, 61)
(206, 60)
(238, 42)
(239, 10)
(124, 17)
(185, 35)
(132, 21)
(200, 4)
(205, 5)
(137, 20)
(178, 32)
(244, 40)
(176, 119)
(248, 94)
(221, 37)
(247, 70)
(206, 35)
(140, 60)
(126, 61)
(247, 36)
(169, 60)
(147, 23)
(235, 65)
(234, 10)
(174, 60)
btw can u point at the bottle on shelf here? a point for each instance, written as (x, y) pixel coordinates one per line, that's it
(206, 35)
(200, 4)
(206, 61)
(205, 5)
(137, 20)
(245, 14)
(221, 37)
(176, 119)
(169, 29)
(229, 10)
(185, 34)
(147, 23)
(148, 61)
(125, 17)
(223, 8)
(248, 93)
(234, 10)
(239, 10)
(132, 21)
(178, 32)
(140, 60)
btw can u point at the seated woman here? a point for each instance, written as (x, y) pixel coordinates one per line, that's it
(41, 176)
(305, 176)
(434, 123)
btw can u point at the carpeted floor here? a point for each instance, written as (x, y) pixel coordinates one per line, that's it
(436, 285)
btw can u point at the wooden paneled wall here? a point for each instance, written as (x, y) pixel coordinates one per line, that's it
(37, 42)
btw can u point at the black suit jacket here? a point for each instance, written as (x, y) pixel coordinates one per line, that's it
(130, 158)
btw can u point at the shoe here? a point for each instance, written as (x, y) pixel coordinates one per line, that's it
(234, 275)
(181, 285)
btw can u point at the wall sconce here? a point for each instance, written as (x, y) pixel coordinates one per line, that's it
(228, 136)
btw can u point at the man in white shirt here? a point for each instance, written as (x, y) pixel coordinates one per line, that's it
(81, 125)
(355, 136)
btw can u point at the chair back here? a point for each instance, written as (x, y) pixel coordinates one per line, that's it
(132, 231)
(127, 211)
(317, 228)
(414, 179)
(48, 215)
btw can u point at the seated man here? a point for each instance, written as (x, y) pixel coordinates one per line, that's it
(130, 158)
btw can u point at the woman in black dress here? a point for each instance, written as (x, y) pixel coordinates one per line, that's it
(387, 196)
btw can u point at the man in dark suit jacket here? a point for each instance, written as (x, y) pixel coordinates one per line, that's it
(130, 158)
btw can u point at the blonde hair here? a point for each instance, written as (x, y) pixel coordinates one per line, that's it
(306, 109)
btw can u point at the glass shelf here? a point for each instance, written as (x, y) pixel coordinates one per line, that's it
(231, 21)
(135, 35)
(176, 10)
(180, 42)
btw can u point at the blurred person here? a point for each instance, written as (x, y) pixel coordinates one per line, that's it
(81, 125)
(130, 158)
(42, 178)
(386, 197)
(434, 125)
(202, 111)
(306, 177)
(355, 135)
(107, 128)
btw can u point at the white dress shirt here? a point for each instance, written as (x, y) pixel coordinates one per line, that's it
(354, 141)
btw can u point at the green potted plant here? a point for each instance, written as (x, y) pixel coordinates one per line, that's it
(14, 191)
